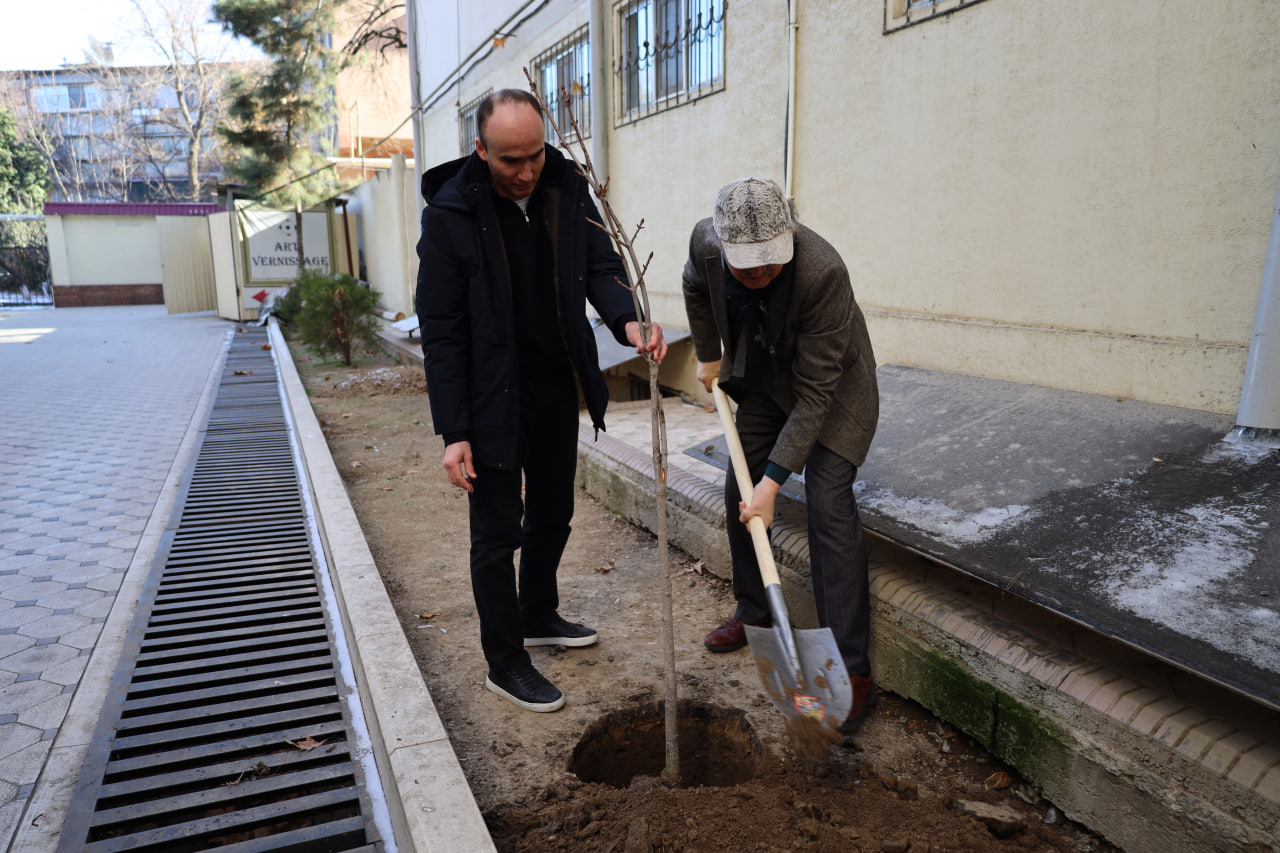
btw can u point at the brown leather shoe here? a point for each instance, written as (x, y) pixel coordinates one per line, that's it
(729, 637)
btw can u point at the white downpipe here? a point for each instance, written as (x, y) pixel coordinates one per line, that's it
(789, 169)
(415, 85)
(597, 31)
(1260, 396)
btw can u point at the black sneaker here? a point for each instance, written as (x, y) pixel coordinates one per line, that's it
(560, 632)
(525, 686)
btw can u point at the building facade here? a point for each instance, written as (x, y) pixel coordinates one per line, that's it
(120, 133)
(1070, 195)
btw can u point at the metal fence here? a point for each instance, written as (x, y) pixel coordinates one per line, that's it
(670, 52)
(25, 279)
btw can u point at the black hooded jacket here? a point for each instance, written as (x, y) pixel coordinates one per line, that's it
(465, 309)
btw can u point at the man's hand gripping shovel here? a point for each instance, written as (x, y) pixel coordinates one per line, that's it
(802, 670)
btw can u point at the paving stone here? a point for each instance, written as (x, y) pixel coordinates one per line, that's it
(48, 714)
(74, 598)
(11, 644)
(10, 814)
(99, 608)
(121, 560)
(35, 590)
(20, 561)
(105, 583)
(55, 625)
(50, 567)
(66, 674)
(36, 659)
(23, 767)
(82, 638)
(14, 738)
(15, 617)
(8, 582)
(80, 552)
(41, 527)
(124, 541)
(78, 573)
(98, 535)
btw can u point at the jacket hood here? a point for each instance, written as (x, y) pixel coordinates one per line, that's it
(445, 185)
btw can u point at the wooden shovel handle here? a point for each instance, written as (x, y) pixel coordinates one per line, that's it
(759, 536)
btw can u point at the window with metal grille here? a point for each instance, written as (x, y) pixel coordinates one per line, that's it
(670, 52)
(568, 64)
(904, 13)
(468, 129)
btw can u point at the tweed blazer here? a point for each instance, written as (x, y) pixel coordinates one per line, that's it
(827, 372)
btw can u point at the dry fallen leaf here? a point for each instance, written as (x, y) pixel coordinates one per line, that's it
(691, 568)
(604, 570)
(998, 780)
(307, 744)
(355, 464)
(243, 373)
(386, 488)
(1156, 459)
(266, 346)
(500, 41)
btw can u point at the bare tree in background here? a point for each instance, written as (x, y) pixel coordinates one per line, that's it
(76, 127)
(379, 27)
(183, 95)
(105, 130)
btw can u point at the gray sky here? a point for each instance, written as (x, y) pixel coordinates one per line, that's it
(39, 34)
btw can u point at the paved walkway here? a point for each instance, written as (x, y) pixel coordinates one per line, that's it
(96, 405)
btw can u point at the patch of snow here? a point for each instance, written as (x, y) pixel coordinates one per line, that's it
(1248, 452)
(1178, 583)
(952, 526)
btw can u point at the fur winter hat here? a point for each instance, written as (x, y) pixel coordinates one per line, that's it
(753, 221)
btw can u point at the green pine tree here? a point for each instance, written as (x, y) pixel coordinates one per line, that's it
(24, 172)
(279, 119)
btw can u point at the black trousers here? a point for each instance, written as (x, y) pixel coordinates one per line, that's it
(837, 554)
(538, 524)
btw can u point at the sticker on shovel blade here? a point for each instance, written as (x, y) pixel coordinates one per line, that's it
(810, 706)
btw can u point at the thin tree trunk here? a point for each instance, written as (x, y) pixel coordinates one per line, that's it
(624, 243)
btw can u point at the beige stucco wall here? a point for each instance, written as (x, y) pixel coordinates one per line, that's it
(388, 213)
(1074, 195)
(105, 250)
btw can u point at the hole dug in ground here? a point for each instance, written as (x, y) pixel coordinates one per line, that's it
(717, 746)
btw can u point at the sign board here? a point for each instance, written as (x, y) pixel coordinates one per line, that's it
(271, 249)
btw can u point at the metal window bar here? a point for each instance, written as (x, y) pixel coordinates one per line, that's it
(567, 64)
(900, 14)
(670, 52)
(468, 129)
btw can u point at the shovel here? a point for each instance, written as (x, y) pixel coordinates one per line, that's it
(802, 670)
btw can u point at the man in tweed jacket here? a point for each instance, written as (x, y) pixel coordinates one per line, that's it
(773, 319)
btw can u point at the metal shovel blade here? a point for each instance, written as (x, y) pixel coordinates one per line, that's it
(820, 689)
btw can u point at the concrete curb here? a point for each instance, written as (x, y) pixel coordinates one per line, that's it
(1151, 758)
(432, 808)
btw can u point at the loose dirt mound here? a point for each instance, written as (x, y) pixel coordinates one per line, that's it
(898, 789)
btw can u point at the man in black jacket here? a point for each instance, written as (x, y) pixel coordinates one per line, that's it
(509, 255)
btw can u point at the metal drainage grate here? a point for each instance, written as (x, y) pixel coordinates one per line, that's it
(228, 677)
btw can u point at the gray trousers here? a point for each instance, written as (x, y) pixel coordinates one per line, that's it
(837, 554)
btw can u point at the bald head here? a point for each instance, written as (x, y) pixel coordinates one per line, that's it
(511, 142)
